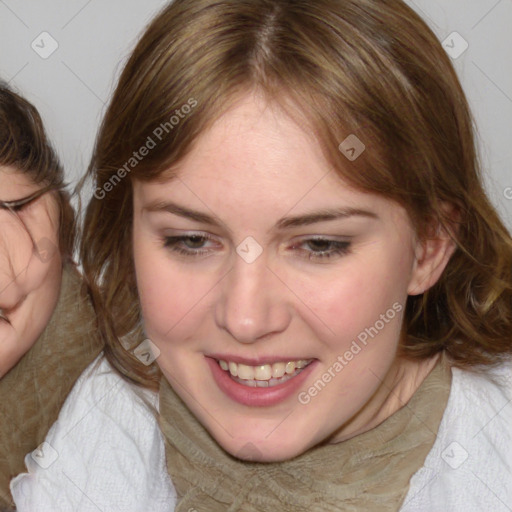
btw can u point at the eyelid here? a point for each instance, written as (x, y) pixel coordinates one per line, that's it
(338, 248)
(332, 241)
(182, 233)
(327, 238)
(24, 201)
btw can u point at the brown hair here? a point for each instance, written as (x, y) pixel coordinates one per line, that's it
(371, 68)
(24, 146)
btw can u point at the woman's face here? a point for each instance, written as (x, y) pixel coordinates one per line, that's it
(30, 276)
(258, 261)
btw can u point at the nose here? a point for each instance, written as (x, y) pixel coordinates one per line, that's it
(252, 303)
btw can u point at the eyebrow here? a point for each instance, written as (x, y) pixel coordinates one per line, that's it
(284, 223)
(323, 216)
(181, 211)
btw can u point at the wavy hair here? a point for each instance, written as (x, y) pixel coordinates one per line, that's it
(371, 68)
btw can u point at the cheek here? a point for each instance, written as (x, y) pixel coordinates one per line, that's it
(15, 248)
(48, 293)
(45, 267)
(171, 294)
(44, 273)
(353, 298)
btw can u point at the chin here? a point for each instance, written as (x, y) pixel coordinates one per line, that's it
(262, 450)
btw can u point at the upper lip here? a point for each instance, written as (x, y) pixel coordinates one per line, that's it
(256, 361)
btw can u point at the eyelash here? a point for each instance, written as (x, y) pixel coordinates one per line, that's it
(171, 243)
(16, 206)
(338, 248)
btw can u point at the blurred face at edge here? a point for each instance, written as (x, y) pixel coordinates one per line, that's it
(30, 265)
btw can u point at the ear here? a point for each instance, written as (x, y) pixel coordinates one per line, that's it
(433, 253)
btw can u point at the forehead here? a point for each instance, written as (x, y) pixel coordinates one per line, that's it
(14, 184)
(255, 137)
(257, 158)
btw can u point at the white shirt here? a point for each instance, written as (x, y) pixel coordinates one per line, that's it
(111, 456)
(105, 452)
(469, 468)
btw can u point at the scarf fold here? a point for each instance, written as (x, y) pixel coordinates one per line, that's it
(369, 472)
(32, 393)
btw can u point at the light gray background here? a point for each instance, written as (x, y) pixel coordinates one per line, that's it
(72, 86)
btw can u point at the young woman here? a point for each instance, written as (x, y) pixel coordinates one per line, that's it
(289, 218)
(47, 334)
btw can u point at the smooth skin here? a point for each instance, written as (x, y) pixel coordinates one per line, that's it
(30, 276)
(250, 170)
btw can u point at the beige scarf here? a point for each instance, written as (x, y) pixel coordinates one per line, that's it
(369, 472)
(32, 393)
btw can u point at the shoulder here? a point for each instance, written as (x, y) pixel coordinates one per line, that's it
(33, 392)
(470, 465)
(105, 451)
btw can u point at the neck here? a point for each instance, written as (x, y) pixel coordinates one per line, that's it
(394, 392)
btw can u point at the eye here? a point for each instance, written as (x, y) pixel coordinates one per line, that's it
(17, 207)
(322, 248)
(188, 245)
(12, 206)
(20, 204)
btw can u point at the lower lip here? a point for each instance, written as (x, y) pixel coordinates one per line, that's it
(258, 397)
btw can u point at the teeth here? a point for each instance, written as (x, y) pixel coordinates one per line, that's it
(245, 372)
(263, 372)
(260, 376)
(290, 367)
(233, 367)
(278, 370)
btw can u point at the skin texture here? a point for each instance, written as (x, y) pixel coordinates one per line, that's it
(251, 169)
(30, 277)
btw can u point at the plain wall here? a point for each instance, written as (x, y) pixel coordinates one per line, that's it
(72, 86)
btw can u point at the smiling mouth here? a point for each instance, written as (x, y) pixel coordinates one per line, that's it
(266, 375)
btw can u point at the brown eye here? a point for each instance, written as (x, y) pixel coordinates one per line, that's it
(194, 242)
(190, 245)
(322, 248)
(189, 242)
(319, 245)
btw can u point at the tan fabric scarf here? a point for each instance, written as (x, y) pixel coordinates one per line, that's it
(369, 472)
(32, 393)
